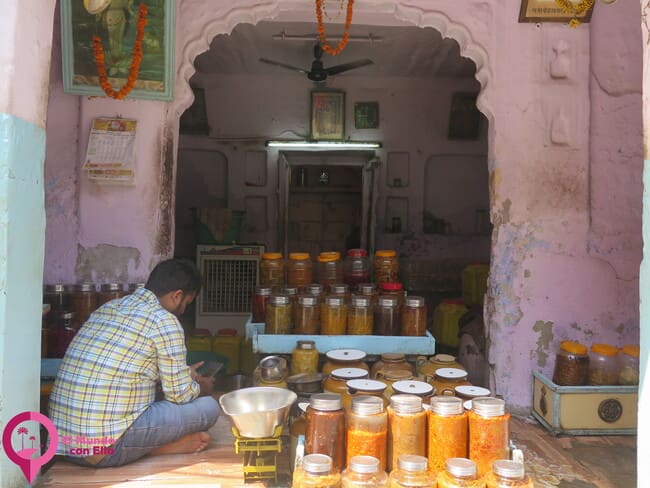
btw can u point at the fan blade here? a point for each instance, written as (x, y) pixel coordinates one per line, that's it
(340, 68)
(283, 65)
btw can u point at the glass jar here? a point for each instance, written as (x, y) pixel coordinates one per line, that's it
(315, 289)
(291, 292)
(367, 431)
(571, 364)
(368, 290)
(489, 432)
(330, 268)
(460, 473)
(363, 387)
(407, 428)
(393, 289)
(629, 365)
(389, 362)
(316, 471)
(414, 316)
(340, 290)
(360, 316)
(445, 380)
(420, 389)
(278, 315)
(131, 287)
(603, 365)
(364, 472)
(325, 429)
(411, 472)
(337, 379)
(297, 429)
(260, 301)
(61, 336)
(304, 358)
(386, 266)
(333, 316)
(306, 315)
(56, 297)
(508, 474)
(83, 301)
(344, 358)
(272, 270)
(299, 270)
(386, 318)
(447, 431)
(108, 292)
(356, 267)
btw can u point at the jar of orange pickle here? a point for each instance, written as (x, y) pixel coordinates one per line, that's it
(333, 316)
(460, 473)
(306, 315)
(330, 268)
(386, 266)
(508, 474)
(299, 270)
(359, 316)
(447, 431)
(489, 432)
(367, 430)
(407, 428)
(344, 358)
(411, 472)
(414, 316)
(272, 270)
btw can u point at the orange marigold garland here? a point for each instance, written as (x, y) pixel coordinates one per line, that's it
(321, 29)
(134, 71)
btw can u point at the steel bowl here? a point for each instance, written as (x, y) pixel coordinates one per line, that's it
(273, 368)
(306, 382)
(257, 411)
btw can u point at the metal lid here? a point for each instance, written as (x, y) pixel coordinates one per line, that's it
(67, 315)
(509, 469)
(306, 344)
(360, 301)
(467, 391)
(279, 300)
(411, 462)
(451, 373)
(317, 463)
(325, 401)
(446, 405)
(85, 287)
(135, 286)
(334, 300)
(414, 301)
(349, 373)
(366, 385)
(263, 290)
(413, 387)
(364, 464)
(290, 290)
(367, 405)
(111, 287)
(488, 406)
(346, 355)
(308, 301)
(315, 289)
(461, 467)
(406, 403)
(57, 288)
(386, 301)
(339, 289)
(366, 288)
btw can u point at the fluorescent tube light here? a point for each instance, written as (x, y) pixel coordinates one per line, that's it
(323, 144)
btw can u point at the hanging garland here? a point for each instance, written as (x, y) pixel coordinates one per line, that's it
(321, 29)
(576, 10)
(136, 60)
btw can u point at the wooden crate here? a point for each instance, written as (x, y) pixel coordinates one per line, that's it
(584, 410)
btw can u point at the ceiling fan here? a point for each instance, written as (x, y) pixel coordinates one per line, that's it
(318, 72)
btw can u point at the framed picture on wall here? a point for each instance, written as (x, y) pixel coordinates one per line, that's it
(366, 115)
(464, 117)
(327, 116)
(549, 11)
(115, 23)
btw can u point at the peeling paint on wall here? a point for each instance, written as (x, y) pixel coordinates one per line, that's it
(163, 244)
(106, 263)
(544, 339)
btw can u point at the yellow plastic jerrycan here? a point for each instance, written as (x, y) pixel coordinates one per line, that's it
(445, 321)
(227, 343)
(474, 283)
(199, 340)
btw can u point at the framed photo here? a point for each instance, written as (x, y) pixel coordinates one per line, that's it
(327, 116)
(464, 117)
(366, 115)
(115, 21)
(195, 119)
(548, 11)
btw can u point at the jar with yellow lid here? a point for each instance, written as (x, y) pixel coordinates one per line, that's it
(344, 358)
(460, 473)
(571, 364)
(412, 472)
(278, 315)
(304, 358)
(603, 365)
(306, 315)
(407, 428)
(447, 430)
(360, 315)
(329, 268)
(337, 379)
(629, 365)
(386, 266)
(299, 270)
(200, 340)
(391, 361)
(428, 366)
(508, 474)
(445, 380)
(367, 429)
(272, 270)
(316, 471)
(363, 387)
(333, 316)
(489, 432)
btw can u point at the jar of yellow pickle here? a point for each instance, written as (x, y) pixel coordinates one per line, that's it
(368, 290)
(306, 315)
(360, 316)
(460, 473)
(315, 289)
(364, 472)
(340, 290)
(333, 316)
(508, 474)
(278, 315)
(304, 358)
(299, 270)
(272, 270)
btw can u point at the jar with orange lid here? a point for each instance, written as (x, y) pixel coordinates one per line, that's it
(367, 429)
(306, 315)
(272, 270)
(391, 361)
(428, 366)
(603, 365)
(363, 387)
(508, 474)
(571, 364)
(386, 317)
(460, 473)
(386, 266)
(356, 267)
(489, 432)
(411, 472)
(414, 316)
(407, 428)
(333, 316)
(445, 380)
(364, 472)
(329, 268)
(360, 316)
(628, 365)
(260, 300)
(325, 429)
(316, 471)
(299, 270)
(447, 430)
(278, 315)
(337, 379)
(393, 289)
(304, 358)
(344, 358)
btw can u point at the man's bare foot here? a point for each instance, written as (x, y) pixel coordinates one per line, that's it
(196, 442)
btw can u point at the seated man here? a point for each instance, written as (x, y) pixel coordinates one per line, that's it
(102, 403)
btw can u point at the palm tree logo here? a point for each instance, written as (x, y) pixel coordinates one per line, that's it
(32, 438)
(22, 431)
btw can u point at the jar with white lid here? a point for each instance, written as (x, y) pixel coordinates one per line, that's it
(364, 472)
(363, 387)
(407, 428)
(344, 358)
(414, 387)
(445, 380)
(337, 379)
(508, 474)
(460, 473)
(412, 472)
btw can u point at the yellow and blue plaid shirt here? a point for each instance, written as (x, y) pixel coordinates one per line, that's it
(109, 373)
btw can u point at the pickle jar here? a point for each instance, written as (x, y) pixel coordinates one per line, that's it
(304, 358)
(629, 365)
(386, 266)
(272, 270)
(363, 387)
(83, 301)
(460, 473)
(56, 297)
(447, 431)
(386, 317)
(393, 289)
(356, 267)
(571, 364)
(340, 290)
(299, 270)
(407, 428)
(603, 365)
(364, 472)
(414, 316)
(316, 471)
(360, 316)
(315, 289)
(489, 432)
(333, 316)
(508, 474)
(418, 388)
(445, 380)
(336, 382)
(291, 292)
(278, 315)
(108, 292)
(325, 427)
(330, 268)
(390, 362)
(367, 429)
(368, 290)
(411, 472)
(306, 315)
(260, 300)
(344, 358)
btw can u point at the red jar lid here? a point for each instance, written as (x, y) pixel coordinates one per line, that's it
(227, 332)
(357, 253)
(391, 286)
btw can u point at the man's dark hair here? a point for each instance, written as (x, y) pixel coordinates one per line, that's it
(174, 274)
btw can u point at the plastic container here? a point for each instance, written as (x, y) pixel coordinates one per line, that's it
(272, 270)
(407, 428)
(325, 427)
(367, 429)
(356, 268)
(108, 292)
(360, 316)
(337, 380)
(386, 266)
(260, 300)
(333, 316)
(299, 270)
(386, 318)
(414, 316)
(306, 315)
(489, 432)
(508, 474)
(227, 343)
(448, 431)
(329, 268)
(628, 365)
(474, 283)
(412, 472)
(83, 301)
(364, 472)
(445, 322)
(278, 315)
(200, 340)
(316, 471)
(304, 358)
(603, 365)
(571, 364)
(344, 358)
(460, 473)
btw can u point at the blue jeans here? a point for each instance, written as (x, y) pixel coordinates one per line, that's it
(163, 422)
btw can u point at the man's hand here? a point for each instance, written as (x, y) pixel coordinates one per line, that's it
(207, 385)
(193, 368)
